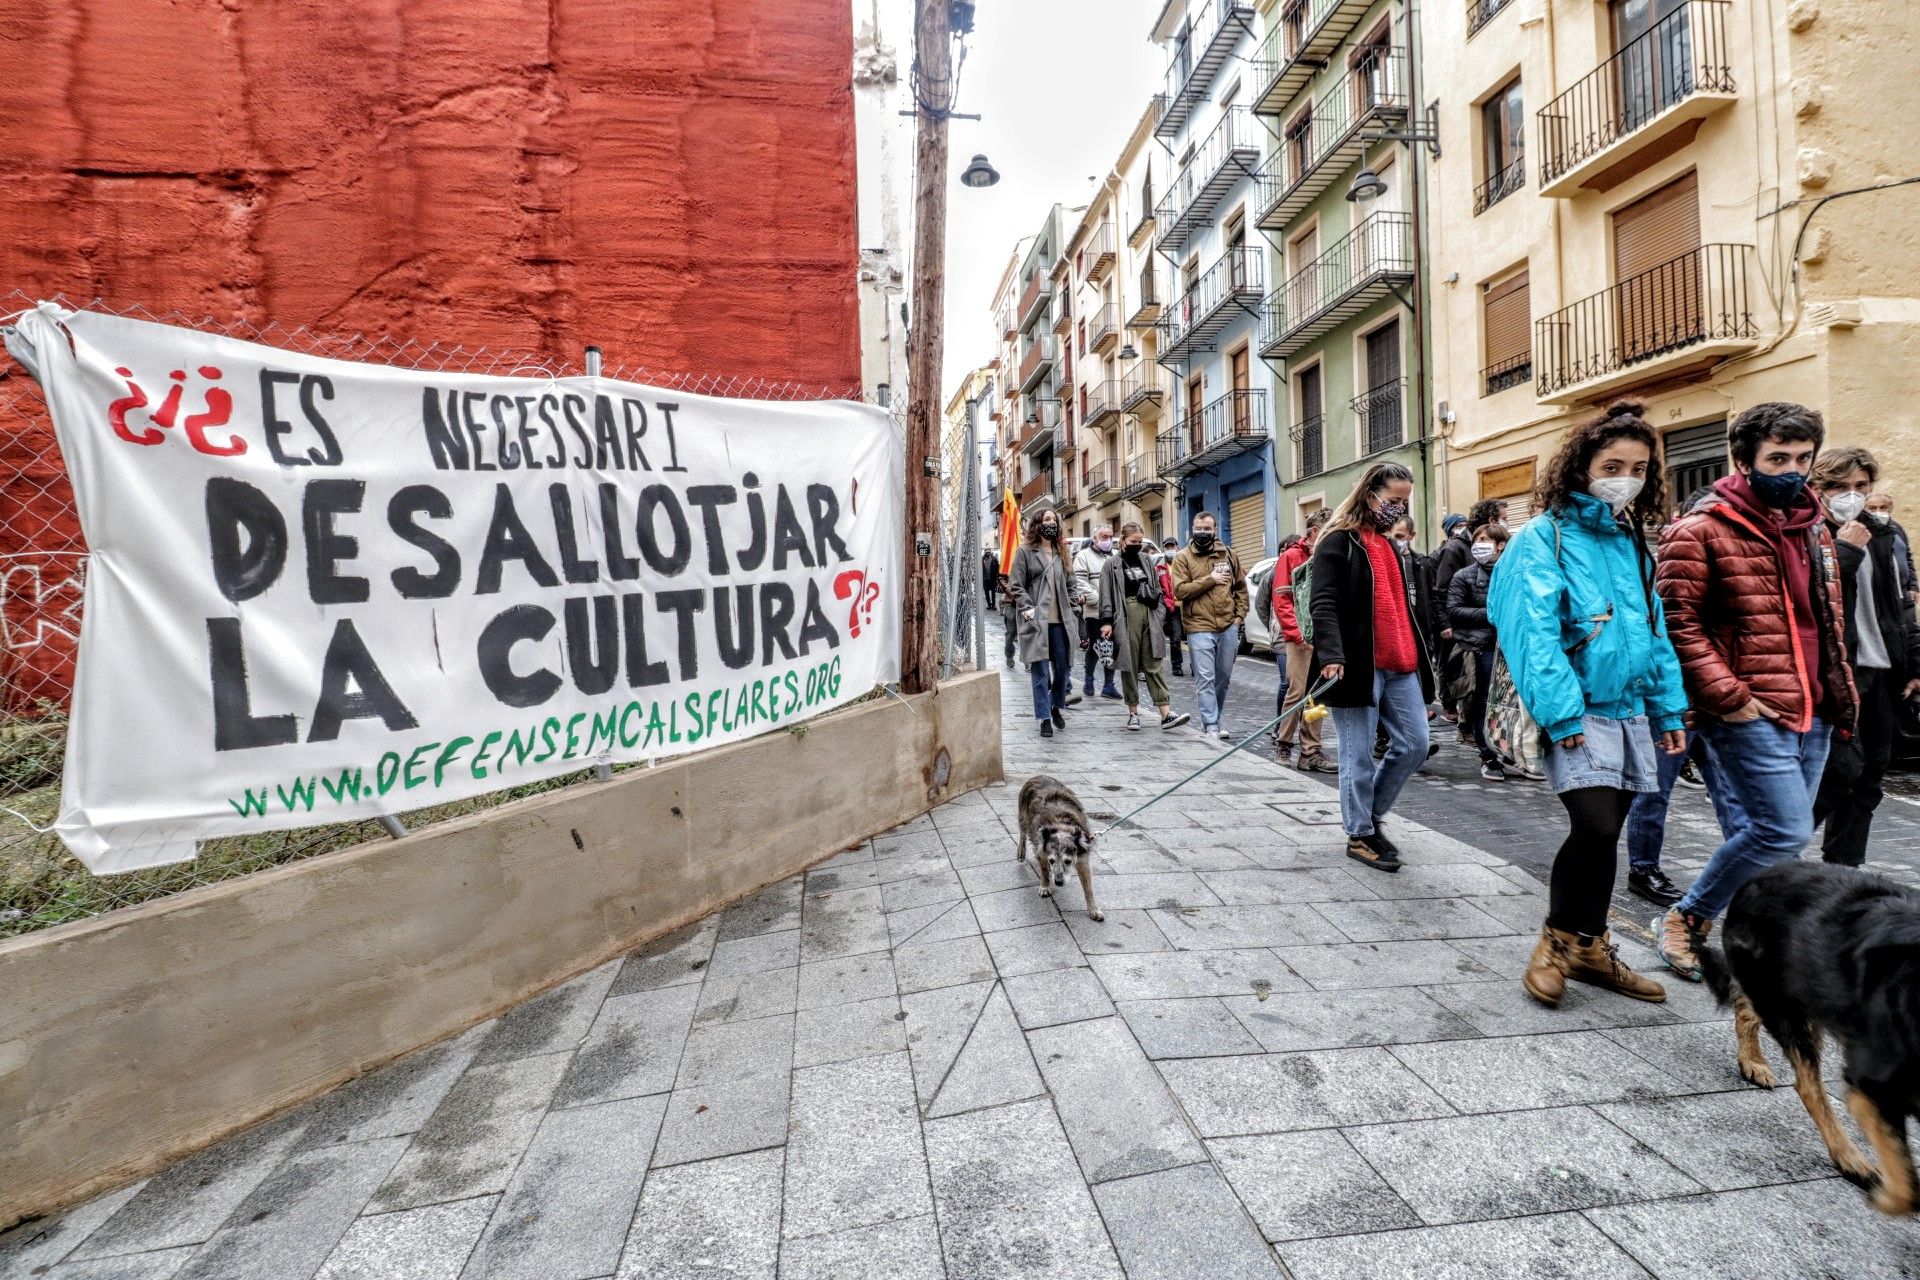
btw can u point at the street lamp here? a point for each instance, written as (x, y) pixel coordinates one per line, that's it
(979, 173)
(1128, 353)
(1366, 186)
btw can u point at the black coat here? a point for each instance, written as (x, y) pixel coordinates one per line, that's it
(1342, 607)
(989, 570)
(1455, 554)
(1891, 603)
(1467, 608)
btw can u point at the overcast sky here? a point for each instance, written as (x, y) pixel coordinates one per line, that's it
(1061, 84)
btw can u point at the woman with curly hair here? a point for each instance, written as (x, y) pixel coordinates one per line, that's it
(1582, 628)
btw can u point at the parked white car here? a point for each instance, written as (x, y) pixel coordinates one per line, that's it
(1256, 634)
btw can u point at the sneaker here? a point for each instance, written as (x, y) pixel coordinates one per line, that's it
(1451, 717)
(1088, 689)
(1074, 699)
(1111, 692)
(1175, 720)
(1367, 849)
(1653, 886)
(1690, 776)
(1222, 731)
(1283, 754)
(1379, 841)
(1465, 737)
(1133, 720)
(1493, 773)
(1059, 720)
(1433, 748)
(1046, 728)
(1314, 762)
(1531, 774)
(1675, 935)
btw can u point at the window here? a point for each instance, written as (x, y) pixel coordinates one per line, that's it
(1240, 378)
(1236, 240)
(1379, 410)
(1656, 260)
(1503, 146)
(1656, 69)
(1372, 65)
(1294, 19)
(1511, 485)
(1299, 144)
(1506, 322)
(1309, 425)
(1083, 337)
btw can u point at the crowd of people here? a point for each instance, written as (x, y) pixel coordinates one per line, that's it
(1764, 638)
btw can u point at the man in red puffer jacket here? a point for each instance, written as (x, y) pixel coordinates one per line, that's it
(1753, 599)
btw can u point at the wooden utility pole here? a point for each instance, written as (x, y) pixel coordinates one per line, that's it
(932, 87)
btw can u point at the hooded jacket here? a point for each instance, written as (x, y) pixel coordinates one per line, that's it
(1725, 582)
(1892, 606)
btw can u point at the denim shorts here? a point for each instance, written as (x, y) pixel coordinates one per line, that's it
(1617, 754)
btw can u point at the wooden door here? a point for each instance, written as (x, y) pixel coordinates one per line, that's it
(1383, 388)
(1240, 374)
(1309, 423)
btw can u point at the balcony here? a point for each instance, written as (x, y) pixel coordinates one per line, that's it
(1513, 371)
(1667, 322)
(1042, 351)
(1103, 402)
(1235, 423)
(1037, 295)
(1141, 393)
(1382, 414)
(1215, 30)
(1142, 477)
(1480, 12)
(1144, 227)
(1040, 490)
(1230, 287)
(1040, 436)
(1149, 309)
(1369, 97)
(1302, 40)
(1096, 257)
(1500, 185)
(1632, 109)
(1355, 273)
(1310, 438)
(1063, 311)
(1103, 330)
(1103, 481)
(1231, 152)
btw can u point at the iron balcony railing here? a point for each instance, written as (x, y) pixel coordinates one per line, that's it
(1480, 12)
(1040, 435)
(1298, 44)
(1038, 488)
(1142, 476)
(1329, 139)
(1700, 297)
(1102, 478)
(1104, 327)
(1103, 399)
(1063, 310)
(1216, 28)
(1500, 185)
(1310, 434)
(1335, 286)
(1228, 154)
(1233, 423)
(1382, 414)
(1140, 388)
(1238, 276)
(1513, 371)
(1149, 309)
(1096, 256)
(1042, 351)
(1683, 54)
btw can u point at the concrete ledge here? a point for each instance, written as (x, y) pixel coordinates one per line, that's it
(132, 1039)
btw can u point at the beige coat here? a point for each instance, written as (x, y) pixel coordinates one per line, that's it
(1206, 605)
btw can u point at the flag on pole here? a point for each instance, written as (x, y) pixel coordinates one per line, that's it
(1009, 529)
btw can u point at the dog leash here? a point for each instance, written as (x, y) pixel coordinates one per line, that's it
(1306, 699)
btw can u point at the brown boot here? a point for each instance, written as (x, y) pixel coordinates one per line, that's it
(1546, 975)
(1597, 960)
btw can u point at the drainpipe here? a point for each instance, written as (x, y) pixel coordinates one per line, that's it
(1416, 111)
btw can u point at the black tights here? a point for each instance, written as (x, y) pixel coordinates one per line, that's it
(1582, 884)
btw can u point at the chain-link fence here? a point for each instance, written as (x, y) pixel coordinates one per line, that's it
(42, 580)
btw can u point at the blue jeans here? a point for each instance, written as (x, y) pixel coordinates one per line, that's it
(1280, 665)
(1647, 820)
(1213, 655)
(1053, 675)
(1772, 774)
(1367, 789)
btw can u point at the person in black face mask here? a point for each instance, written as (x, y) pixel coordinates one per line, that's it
(1132, 611)
(1042, 590)
(1212, 590)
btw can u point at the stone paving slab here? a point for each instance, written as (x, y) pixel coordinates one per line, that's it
(906, 1064)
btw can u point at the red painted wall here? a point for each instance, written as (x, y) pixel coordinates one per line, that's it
(670, 179)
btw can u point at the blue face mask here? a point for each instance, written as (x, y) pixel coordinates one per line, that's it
(1777, 491)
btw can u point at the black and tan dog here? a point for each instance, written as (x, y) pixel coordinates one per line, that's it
(1052, 819)
(1813, 950)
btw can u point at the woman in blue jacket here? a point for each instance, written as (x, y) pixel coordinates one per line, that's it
(1583, 633)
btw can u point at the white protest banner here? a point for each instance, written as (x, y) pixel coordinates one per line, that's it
(320, 591)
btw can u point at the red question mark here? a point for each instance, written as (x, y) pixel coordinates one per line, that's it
(847, 587)
(873, 593)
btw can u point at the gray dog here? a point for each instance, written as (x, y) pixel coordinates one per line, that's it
(1051, 817)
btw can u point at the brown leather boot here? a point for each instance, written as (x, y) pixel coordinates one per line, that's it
(1546, 975)
(1597, 960)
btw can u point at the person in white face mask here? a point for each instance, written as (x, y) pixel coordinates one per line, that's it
(1883, 646)
(1880, 512)
(1584, 634)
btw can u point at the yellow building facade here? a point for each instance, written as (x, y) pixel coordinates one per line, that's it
(1696, 204)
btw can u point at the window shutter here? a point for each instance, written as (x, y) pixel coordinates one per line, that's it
(1508, 320)
(1657, 228)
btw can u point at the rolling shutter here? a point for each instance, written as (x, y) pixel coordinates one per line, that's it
(1508, 322)
(1247, 526)
(1512, 486)
(1657, 300)
(1657, 228)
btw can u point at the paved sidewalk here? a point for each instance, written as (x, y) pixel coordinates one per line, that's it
(1267, 1061)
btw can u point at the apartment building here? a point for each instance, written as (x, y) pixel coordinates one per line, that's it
(1002, 415)
(1118, 389)
(1340, 205)
(1036, 421)
(1682, 202)
(980, 388)
(1216, 440)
